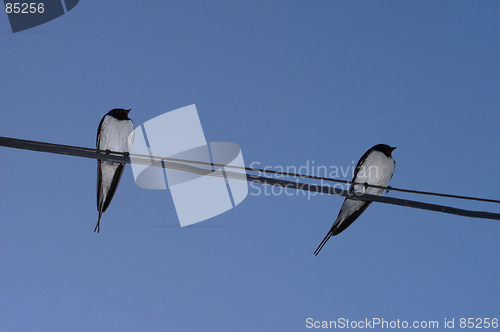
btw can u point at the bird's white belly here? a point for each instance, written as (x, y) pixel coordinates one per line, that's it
(115, 135)
(377, 170)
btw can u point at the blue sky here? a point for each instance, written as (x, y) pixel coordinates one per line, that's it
(290, 82)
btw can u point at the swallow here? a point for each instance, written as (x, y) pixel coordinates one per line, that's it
(375, 167)
(115, 133)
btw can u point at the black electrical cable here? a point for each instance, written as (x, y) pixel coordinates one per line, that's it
(178, 164)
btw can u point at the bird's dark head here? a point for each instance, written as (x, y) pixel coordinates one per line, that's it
(386, 149)
(119, 113)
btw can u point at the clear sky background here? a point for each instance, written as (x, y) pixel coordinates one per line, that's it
(290, 82)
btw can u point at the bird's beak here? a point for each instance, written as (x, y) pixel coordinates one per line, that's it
(393, 148)
(128, 111)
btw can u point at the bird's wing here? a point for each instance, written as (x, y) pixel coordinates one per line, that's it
(339, 227)
(99, 184)
(360, 163)
(99, 170)
(97, 141)
(341, 223)
(114, 185)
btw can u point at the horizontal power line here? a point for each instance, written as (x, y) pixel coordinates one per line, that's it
(65, 149)
(148, 161)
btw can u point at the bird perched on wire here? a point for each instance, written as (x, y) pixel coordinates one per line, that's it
(375, 167)
(115, 133)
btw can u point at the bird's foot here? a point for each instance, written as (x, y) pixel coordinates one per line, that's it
(126, 154)
(388, 189)
(108, 151)
(366, 185)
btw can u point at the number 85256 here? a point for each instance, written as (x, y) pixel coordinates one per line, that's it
(478, 323)
(24, 8)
